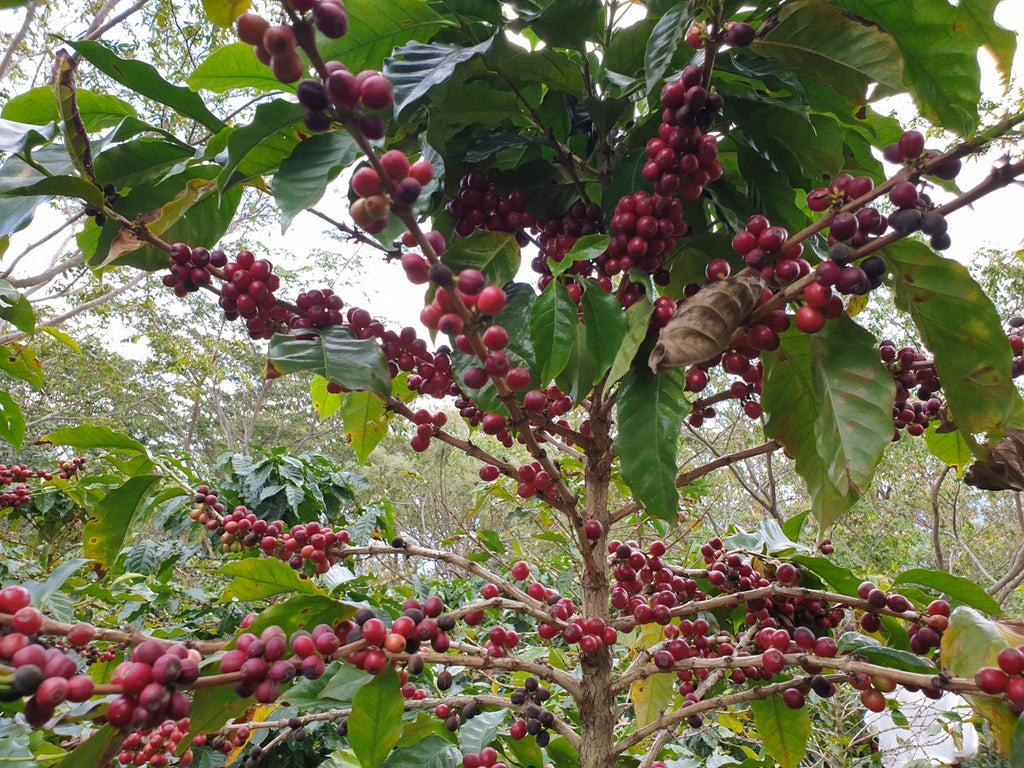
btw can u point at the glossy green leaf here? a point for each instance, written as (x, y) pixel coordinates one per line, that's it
(111, 520)
(235, 66)
(38, 106)
(325, 403)
(783, 731)
(257, 578)
(637, 319)
(224, 12)
(975, 19)
(146, 81)
(953, 314)
(829, 402)
(375, 724)
(61, 186)
(795, 524)
(940, 69)
(651, 410)
(606, 326)
(376, 29)
(20, 362)
(579, 373)
(477, 733)
(869, 649)
(948, 447)
(841, 579)
(432, 751)
(336, 354)
(568, 23)
(99, 748)
(562, 753)
(16, 309)
(820, 43)
(263, 144)
(664, 41)
(417, 67)
(94, 437)
(12, 423)
(303, 177)
(213, 707)
(145, 159)
(366, 422)
(586, 248)
(959, 589)
(19, 136)
(496, 254)
(553, 322)
(552, 68)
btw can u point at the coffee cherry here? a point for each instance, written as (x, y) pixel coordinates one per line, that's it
(377, 92)
(793, 698)
(739, 34)
(330, 18)
(809, 320)
(911, 145)
(491, 300)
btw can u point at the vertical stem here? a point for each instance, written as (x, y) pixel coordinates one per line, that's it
(597, 703)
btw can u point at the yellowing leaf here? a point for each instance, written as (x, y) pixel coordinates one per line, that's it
(224, 12)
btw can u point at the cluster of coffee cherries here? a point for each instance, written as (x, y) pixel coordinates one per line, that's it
(644, 586)
(644, 230)
(742, 361)
(915, 376)
(15, 490)
(110, 196)
(557, 236)
(30, 668)
(150, 684)
(156, 746)
(482, 205)
(275, 46)
(1005, 678)
(735, 33)
(923, 637)
(475, 293)
(531, 696)
(264, 664)
(373, 201)
(420, 623)
(915, 210)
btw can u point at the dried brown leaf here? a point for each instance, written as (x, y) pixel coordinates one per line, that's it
(1004, 468)
(704, 324)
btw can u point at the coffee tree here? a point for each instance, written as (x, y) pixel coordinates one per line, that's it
(706, 197)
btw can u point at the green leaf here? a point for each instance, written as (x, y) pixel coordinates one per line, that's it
(477, 733)
(568, 23)
(99, 748)
(12, 423)
(366, 422)
(263, 144)
(94, 437)
(562, 753)
(843, 580)
(975, 19)
(325, 403)
(432, 751)
(821, 43)
(38, 106)
(948, 447)
(553, 322)
(606, 326)
(375, 724)
(224, 12)
(133, 162)
(496, 254)
(256, 578)
(638, 317)
(335, 353)
(235, 66)
(783, 731)
(940, 69)
(1017, 745)
(303, 177)
(664, 41)
(20, 362)
(829, 402)
(17, 137)
(586, 248)
(958, 588)
(110, 523)
(213, 707)
(552, 68)
(578, 376)
(146, 81)
(417, 67)
(61, 186)
(651, 409)
(795, 524)
(652, 694)
(16, 309)
(376, 29)
(953, 314)
(874, 652)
